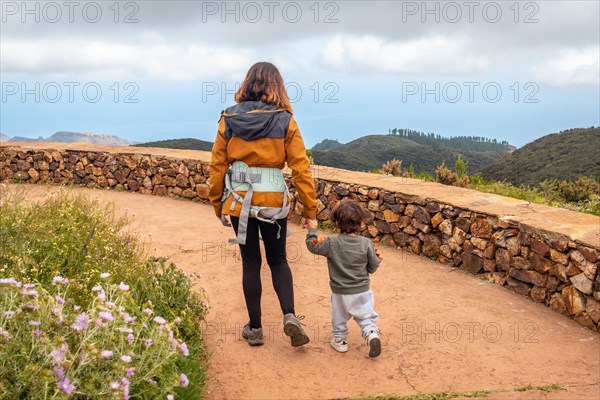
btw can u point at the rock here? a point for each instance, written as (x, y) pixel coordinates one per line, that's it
(518, 286)
(459, 235)
(388, 240)
(433, 208)
(421, 226)
(479, 243)
(463, 223)
(389, 197)
(538, 294)
(503, 259)
(559, 244)
(394, 227)
(421, 214)
(513, 246)
(401, 239)
(481, 228)
(520, 263)
(404, 221)
(189, 193)
(328, 188)
(584, 320)
(453, 245)
(574, 300)
(133, 185)
(559, 271)
(437, 219)
(382, 226)
(324, 215)
(489, 265)
(572, 270)
(342, 191)
(411, 230)
(498, 278)
(540, 247)
(410, 210)
(21, 175)
(578, 259)
(446, 251)
(446, 227)
(373, 205)
(102, 181)
(182, 181)
(552, 284)
(528, 276)
(390, 216)
(472, 262)
(539, 263)
(33, 174)
(592, 308)
(557, 303)
(582, 283)
(414, 244)
(431, 245)
(490, 251)
(182, 169)
(202, 190)
(373, 231)
(590, 270)
(373, 193)
(590, 254)
(147, 182)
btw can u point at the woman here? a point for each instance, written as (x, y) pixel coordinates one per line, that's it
(256, 137)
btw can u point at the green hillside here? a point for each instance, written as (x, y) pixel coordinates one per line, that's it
(567, 155)
(182, 144)
(370, 152)
(327, 144)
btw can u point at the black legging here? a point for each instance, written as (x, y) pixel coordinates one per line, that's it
(276, 258)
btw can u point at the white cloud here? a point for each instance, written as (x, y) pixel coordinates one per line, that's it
(435, 55)
(102, 60)
(571, 67)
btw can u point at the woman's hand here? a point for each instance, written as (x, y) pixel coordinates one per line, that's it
(309, 223)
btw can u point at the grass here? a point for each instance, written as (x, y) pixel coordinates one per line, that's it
(79, 237)
(469, 394)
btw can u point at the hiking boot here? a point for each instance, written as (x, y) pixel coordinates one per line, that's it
(374, 344)
(293, 328)
(254, 336)
(340, 345)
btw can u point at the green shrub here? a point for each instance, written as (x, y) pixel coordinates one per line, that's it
(444, 175)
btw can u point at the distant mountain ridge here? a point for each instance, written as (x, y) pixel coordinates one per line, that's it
(72, 137)
(425, 151)
(566, 155)
(4, 138)
(182, 144)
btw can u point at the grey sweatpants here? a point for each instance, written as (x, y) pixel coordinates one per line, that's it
(358, 306)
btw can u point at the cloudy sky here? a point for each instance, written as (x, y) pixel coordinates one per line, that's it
(150, 70)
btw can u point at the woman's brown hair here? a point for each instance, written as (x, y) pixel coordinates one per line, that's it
(264, 83)
(348, 216)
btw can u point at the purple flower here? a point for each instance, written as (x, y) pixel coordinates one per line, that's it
(130, 338)
(58, 355)
(177, 320)
(102, 296)
(105, 315)
(81, 322)
(59, 372)
(8, 314)
(106, 354)
(125, 384)
(37, 333)
(123, 287)
(147, 311)
(130, 372)
(29, 292)
(97, 288)
(170, 397)
(60, 279)
(184, 349)
(160, 320)
(6, 336)
(126, 359)
(66, 386)
(148, 342)
(114, 385)
(59, 300)
(34, 323)
(104, 275)
(76, 308)
(183, 379)
(9, 282)
(29, 285)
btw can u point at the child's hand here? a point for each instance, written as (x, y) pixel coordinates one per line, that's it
(377, 253)
(312, 223)
(319, 240)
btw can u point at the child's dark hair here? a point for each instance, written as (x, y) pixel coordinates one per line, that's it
(348, 216)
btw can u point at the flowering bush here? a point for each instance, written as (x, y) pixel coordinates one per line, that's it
(107, 275)
(53, 347)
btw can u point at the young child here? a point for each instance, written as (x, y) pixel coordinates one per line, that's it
(350, 259)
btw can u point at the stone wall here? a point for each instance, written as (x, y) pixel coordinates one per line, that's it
(547, 266)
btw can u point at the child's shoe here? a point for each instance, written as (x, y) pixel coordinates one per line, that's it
(340, 345)
(293, 328)
(254, 336)
(374, 343)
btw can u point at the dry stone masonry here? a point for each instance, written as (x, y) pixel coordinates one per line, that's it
(547, 267)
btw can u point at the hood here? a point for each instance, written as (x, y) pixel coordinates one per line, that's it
(251, 120)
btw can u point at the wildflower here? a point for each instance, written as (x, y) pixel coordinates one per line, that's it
(81, 322)
(177, 320)
(114, 385)
(130, 338)
(184, 349)
(59, 299)
(37, 333)
(66, 386)
(110, 304)
(102, 296)
(106, 354)
(147, 311)
(97, 288)
(125, 329)
(61, 280)
(34, 323)
(183, 379)
(104, 275)
(105, 315)
(29, 285)
(159, 320)
(58, 355)
(130, 372)
(123, 287)
(126, 359)
(76, 308)
(29, 292)
(9, 282)
(125, 384)
(148, 342)
(8, 314)
(5, 335)
(59, 372)
(170, 397)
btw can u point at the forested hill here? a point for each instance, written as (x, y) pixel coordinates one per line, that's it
(566, 155)
(182, 144)
(471, 143)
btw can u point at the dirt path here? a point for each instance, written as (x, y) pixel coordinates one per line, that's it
(443, 330)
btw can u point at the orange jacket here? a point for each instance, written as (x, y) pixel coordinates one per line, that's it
(260, 135)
